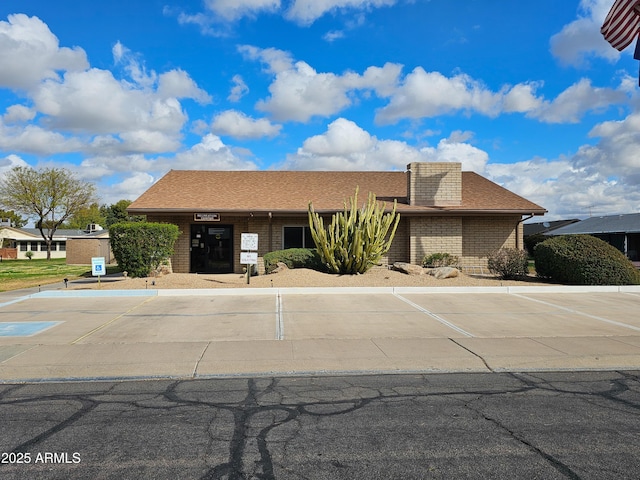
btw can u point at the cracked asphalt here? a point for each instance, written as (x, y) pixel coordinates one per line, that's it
(545, 425)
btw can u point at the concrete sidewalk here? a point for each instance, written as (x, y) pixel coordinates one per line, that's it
(130, 334)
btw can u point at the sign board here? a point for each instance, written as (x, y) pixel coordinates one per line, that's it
(249, 258)
(249, 241)
(206, 217)
(97, 266)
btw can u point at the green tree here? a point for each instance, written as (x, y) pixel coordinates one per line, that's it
(356, 239)
(50, 196)
(117, 213)
(86, 216)
(16, 220)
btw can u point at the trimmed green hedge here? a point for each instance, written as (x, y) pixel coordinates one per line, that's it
(583, 260)
(294, 258)
(141, 247)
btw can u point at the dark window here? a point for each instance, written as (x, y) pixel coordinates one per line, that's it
(297, 237)
(23, 246)
(62, 246)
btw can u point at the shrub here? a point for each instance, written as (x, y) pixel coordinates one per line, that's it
(356, 239)
(530, 242)
(293, 258)
(141, 247)
(436, 260)
(583, 260)
(28, 254)
(508, 263)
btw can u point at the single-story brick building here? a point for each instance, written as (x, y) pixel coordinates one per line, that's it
(442, 209)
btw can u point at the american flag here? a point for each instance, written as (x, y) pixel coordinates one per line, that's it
(622, 23)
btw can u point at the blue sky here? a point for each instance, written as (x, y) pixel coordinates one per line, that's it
(120, 92)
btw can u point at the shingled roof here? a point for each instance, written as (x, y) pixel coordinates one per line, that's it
(290, 192)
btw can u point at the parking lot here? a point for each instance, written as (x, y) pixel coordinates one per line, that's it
(201, 333)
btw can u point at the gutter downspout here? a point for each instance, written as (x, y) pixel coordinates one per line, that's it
(519, 247)
(270, 233)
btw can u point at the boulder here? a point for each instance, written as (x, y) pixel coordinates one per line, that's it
(165, 268)
(445, 272)
(280, 267)
(408, 268)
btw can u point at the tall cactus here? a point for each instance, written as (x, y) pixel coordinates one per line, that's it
(356, 239)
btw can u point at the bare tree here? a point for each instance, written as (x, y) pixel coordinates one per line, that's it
(49, 196)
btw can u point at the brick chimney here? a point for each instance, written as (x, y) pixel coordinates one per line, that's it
(434, 184)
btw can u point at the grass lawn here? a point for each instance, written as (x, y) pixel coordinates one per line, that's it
(15, 274)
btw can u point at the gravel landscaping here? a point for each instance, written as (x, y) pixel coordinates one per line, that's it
(376, 277)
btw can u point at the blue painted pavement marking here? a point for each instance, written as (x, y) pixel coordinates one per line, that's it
(24, 329)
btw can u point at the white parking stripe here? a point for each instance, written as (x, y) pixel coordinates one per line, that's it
(279, 318)
(577, 312)
(434, 316)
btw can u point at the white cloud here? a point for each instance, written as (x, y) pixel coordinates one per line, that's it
(95, 102)
(18, 114)
(565, 189)
(299, 92)
(343, 138)
(36, 140)
(333, 35)
(235, 9)
(239, 89)
(29, 52)
(305, 12)
(238, 125)
(10, 161)
(575, 101)
(212, 154)
(521, 98)
(428, 94)
(276, 60)
(597, 179)
(108, 165)
(219, 15)
(456, 150)
(178, 84)
(346, 146)
(581, 38)
(131, 188)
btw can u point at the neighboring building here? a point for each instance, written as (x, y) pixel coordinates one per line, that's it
(24, 240)
(543, 228)
(621, 231)
(442, 210)
(82, 247)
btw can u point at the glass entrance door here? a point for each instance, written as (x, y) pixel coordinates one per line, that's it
(211, 248)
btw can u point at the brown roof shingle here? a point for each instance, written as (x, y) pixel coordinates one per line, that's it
(291, 191)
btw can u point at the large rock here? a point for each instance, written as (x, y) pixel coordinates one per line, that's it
(165, 268)
(408, 268)
(444, 272)
(280, 267)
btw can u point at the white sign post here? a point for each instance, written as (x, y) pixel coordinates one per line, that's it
(98, 268)
(249, 241)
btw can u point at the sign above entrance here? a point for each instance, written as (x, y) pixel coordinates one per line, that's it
(206, 217)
